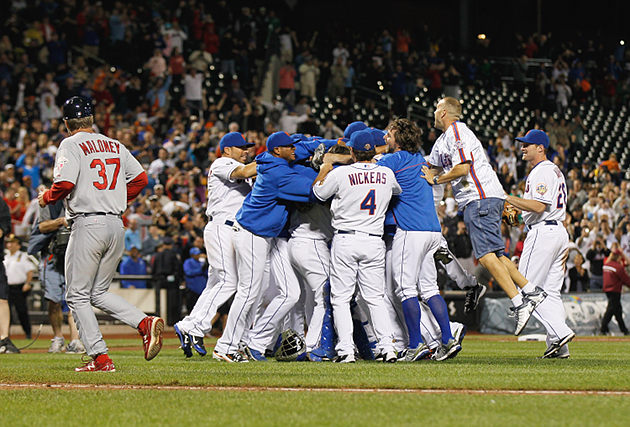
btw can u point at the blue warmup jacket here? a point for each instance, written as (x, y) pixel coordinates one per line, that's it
(413, 209)
(196, 274)
(265, 210)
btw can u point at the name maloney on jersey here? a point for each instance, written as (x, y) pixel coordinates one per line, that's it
(100, 146)
(368, 177)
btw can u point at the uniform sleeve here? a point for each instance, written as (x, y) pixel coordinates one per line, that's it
(294, 186)
(223, 169)
(328, 188)
(305, 149)
(67, 164)
(396, 189)
(542, 186)
(133, 168)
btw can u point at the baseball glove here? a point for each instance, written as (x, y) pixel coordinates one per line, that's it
(511, 215)
(318, 156)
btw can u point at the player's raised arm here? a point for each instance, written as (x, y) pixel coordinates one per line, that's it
(244, 171)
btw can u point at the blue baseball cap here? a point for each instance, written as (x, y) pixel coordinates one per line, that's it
(234, 139)
(352, 128)
(279, 139)
(535, 136)
(379, 136)
(194, 251)
(364, 140)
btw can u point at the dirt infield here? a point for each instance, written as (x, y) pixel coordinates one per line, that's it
(113, 387)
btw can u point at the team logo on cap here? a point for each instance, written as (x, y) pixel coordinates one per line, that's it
(541, 189)
(367, 147)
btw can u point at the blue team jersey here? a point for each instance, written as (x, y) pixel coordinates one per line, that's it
(265, 210)
(413, 209)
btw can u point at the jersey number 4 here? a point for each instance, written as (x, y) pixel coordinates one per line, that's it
(369, 203)
(98, 164)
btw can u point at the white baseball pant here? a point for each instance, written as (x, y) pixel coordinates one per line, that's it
(222, 278)
(414, 267)
(266, 327)
(393, 302)
(310, 259)
(543, 262)
(456, 270)
(358, 259)
(251, 258)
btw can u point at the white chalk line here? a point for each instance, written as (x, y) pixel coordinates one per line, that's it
(66, 386)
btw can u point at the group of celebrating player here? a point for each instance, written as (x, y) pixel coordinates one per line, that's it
(360, 225)
(331, 232)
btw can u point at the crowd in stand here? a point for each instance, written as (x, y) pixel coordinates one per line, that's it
(148, 70)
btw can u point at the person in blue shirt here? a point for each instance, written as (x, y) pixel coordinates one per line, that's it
(133, 264)
(196, 276)
(133, 236)
(417, 238)
(260, 232)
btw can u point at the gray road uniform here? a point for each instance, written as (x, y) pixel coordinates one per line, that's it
(100, 169)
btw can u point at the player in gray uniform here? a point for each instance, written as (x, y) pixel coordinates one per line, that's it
(97, 176)
(228, 184)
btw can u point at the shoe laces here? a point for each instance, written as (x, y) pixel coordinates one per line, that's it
(86, 360)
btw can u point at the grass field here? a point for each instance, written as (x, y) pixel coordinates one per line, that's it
(494, 380)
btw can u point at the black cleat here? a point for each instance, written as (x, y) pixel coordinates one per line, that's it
(473, 296)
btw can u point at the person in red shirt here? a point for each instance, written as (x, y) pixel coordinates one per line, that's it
(614, 277)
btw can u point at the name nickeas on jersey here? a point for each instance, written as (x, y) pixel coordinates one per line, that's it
(359, 178)
(100, 146)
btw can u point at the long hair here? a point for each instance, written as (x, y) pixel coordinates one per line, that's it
(408, 134)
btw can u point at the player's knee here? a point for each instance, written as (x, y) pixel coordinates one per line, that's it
(426, 294)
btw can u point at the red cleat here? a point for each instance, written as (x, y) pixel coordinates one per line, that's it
(151, 329)
(102, 363)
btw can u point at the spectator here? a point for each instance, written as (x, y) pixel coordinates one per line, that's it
(578, 275)
(193, 90)
(133, 265)
(596, 256)
(309, 75)
(286, 82)
(133, 235)
(157, 64)
(615, 277)
(19, 268)
(196, 275)
(151, 242)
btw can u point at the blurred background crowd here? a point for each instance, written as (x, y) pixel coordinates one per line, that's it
(169, 78)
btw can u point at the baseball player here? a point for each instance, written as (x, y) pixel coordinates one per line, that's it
(97, 177)
(454, 269)
(416, 240)
(546, 246)
(310, 233)
(479, 194)
(228, 184)
(260, 233)
(361, 193)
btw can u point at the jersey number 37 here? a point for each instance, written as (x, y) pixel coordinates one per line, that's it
(103, 183)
